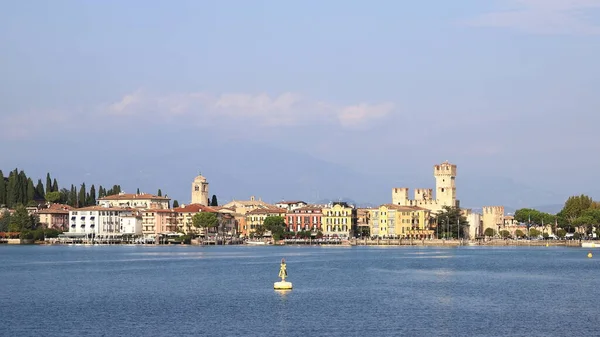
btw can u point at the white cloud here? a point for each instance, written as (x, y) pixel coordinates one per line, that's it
(286, 109)
(544, 17)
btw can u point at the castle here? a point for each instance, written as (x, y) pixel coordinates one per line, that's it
(445, 191)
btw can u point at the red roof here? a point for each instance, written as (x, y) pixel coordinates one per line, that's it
(194, 208)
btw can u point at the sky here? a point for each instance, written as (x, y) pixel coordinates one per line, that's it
(305, 99)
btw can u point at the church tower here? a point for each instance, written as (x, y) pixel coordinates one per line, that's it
(200, 191)
(445, 184)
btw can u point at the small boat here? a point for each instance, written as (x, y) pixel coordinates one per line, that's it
(260, 243)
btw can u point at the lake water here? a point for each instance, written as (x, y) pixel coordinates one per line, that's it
(338, 291)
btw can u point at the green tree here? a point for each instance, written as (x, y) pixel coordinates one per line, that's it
(2, 189)
(575, 206)
(519, 233)
(64, 195)
(586, 222)
(30, 190)
(72, 201)
(53, 197)
(48, 183)
(534, 233)
(55, 186)
(159, 193)
(561, 233)
(489, 232)
(39, 189)
(11, 192)
(137, 191)
(504, 233)
(91, 198)
(21, 220)
(214, 201)
(5, 220)
(276, 225)
(450, 220)
(175, 203)
(82, 197)
(205, 220)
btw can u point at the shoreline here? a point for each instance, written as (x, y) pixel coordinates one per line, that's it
(364, 243)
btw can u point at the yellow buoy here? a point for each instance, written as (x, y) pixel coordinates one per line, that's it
(283, 284)
(590, 255)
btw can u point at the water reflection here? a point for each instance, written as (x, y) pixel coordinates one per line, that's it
(283, 294)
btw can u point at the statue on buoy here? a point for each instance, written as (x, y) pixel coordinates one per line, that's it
(283, 284)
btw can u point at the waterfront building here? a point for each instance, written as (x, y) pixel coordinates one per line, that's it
(228, 222)
(200, 191)
(395, 221)
(142, 200)
(291, 205)
(131, 224)
(244, 206)
(256, 217)
(99, 220)
(158, 221)
(185, 214)
(55, 216)
(363, 221)
(304, 219)
(445, 191)
(493, 217)
(339, 219)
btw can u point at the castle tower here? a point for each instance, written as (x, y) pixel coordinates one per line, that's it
(445, 188)
(400, 196)
(493, 217)
(200, 191)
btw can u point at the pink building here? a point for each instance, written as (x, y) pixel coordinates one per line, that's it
(304, 218)
(56, 216)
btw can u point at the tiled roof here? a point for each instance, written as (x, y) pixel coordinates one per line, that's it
(194, 208)
(405, 208)
(276, 210)
(132, 196)
(101, 208)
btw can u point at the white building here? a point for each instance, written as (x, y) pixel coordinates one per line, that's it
(142, 200)
(291, 205)
(131, 224)
(99, 220)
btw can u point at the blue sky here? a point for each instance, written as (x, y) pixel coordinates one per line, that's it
(382, 89)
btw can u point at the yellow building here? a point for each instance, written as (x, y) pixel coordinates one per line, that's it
(256, 217)
(395, 221)
(339, 219)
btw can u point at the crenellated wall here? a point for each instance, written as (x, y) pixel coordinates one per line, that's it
(493, 217)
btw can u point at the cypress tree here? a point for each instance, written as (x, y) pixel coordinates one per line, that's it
(138, 191)
(2, 189)
(11, 189)
(159, 193)
(30, 190)
(214, 201)
(21, 188)
(39, 189)
(48, 183)
(72, 201)
(81, 200)
(92, 196)
(175, 203)
(55, 186)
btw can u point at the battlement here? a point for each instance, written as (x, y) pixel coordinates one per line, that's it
(423, 194)
(493, 210)
(444, 169)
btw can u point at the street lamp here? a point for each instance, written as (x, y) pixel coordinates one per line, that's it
(448, 226)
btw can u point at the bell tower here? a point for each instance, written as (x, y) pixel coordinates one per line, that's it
(445, 184)
(200, 190)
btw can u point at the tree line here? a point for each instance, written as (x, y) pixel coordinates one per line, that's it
(19, 189)
(578, 211)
